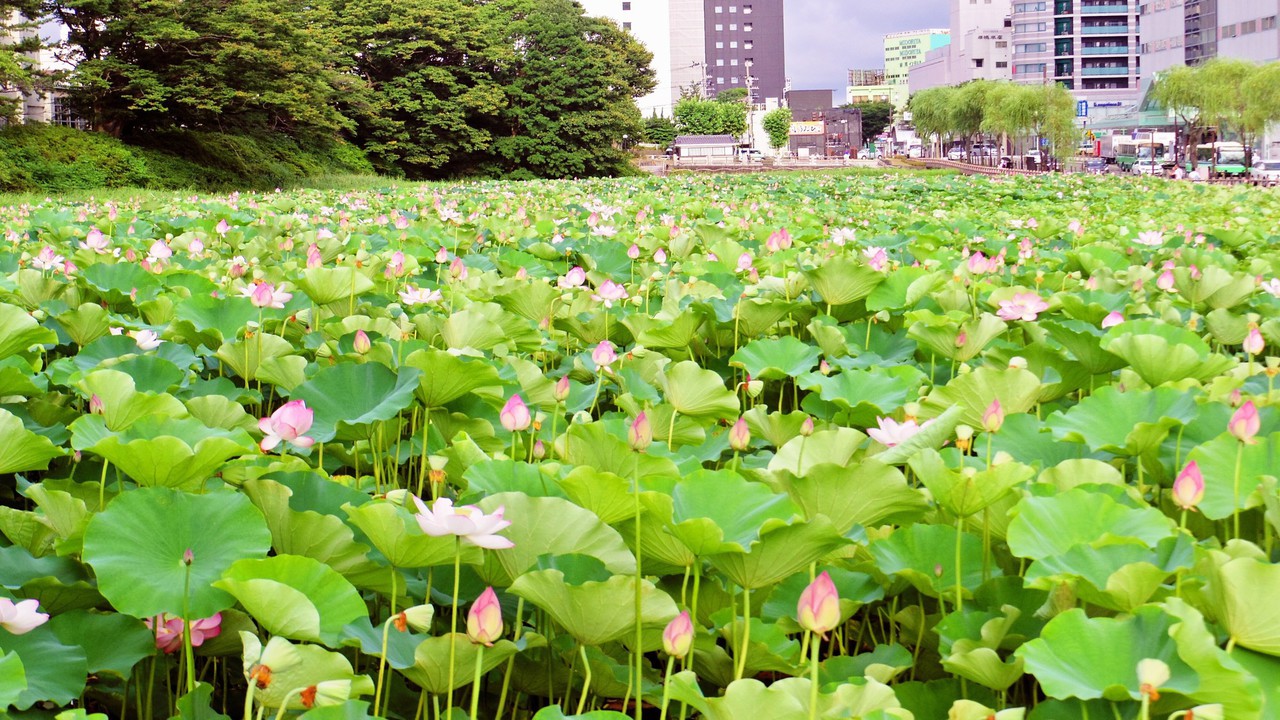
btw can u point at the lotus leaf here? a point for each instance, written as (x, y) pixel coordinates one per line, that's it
(723, 512)
(775, 358)
(843, 280)
(295, 597)
(1017, 391)
(299, 667)
(22, 450)
(550, 526)
(781, 551)
(54, 671)
(1045, 527)
(1217, 460)
(392, 530)
(349, 398)
(698, 393)
(968, 490)
(13, 678)
(786, 699)
(1161, 353)
(867, 494)
(801, 454)
(162, 452)
(326, 285)
(19, 331)
(925, 556)
(1128, 423)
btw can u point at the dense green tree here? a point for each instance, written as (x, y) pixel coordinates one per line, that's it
(876, 116)
(233, 65)
(1225, 103)
(709, 117)
(931, 112)
(660, 131)
(1261, 93)
(1180, 90)
(732, 95)
(19, 73)
(777, 123)
(570, 83)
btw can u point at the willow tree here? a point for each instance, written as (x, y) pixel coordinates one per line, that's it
(1181, 90)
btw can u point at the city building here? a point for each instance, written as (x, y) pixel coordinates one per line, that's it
(905, 50)
(37, 106)
(704, 46)
(820, 130)
(1088, 46)
(1177, 32)
(980, 47)
(866, 77)
(867, 86)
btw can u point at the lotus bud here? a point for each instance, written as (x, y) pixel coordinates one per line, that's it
(458, 269)
(1017, 363)
(96, 406)
(1165, 280)
(1152, 673)
(910, 411)
(1253, 342)
(961, 338)
(484, 621)
(937, 570)
(515, 415)
(1245, 423)
(640, 434)
(819, 608)
(824, 368)
(522, 273)
(806, 427)
(993, 417)
(561, 390)
(1112, 319)
(633, 252)
(964, 437)
(660, 256)
(1188, 488)
(755, 387)
(362, 344)
(677, 638)
(442, 256)
(418, 617)
(188, 557)
(740, 435)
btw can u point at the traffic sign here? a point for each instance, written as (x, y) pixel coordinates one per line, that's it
(1082, 108)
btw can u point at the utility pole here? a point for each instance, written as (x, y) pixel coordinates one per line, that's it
(751, 104)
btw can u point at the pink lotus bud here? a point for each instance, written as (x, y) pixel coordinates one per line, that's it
(484, 621)
(188, 557)
(522, 273)
(824, 368)
(539, 450)
(1188, 488)
(96, 406)
(740, 435)
(962, 337)
(604, 355)
(1112, 319)
(1253, 342)
(1165, 281)
(660, 256)
(993, 418)
(1195, 272)
(806, 427)
(223, 227)
(1245, 423)
(633, 252)
(640, 434)
(561, 390)
(677, 638)
(458, 269)
(744, 262)
(362, 344)
(819, 608)
(515, 415)
(442, 256)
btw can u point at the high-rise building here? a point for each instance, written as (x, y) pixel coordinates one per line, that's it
(1177, 32)
(704, 46)
(868, 86)
(1088, 46)
(866, 77)
(980, 47)
(905, 50)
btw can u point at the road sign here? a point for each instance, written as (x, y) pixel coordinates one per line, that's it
(1082, 108)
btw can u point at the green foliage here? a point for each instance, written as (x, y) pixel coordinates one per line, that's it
(777, 123)
(17, 41)
(876, 116)
(1005, 108)
(659, 131)
(732, 95)
(710, 117)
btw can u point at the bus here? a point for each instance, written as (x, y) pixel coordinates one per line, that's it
(1224, 158)
(1126, 150)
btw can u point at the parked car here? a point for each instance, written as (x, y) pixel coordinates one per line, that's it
(956, 153)
(1095, 165)
(865, 154)
(1147, 166)
(1266, 170)
(750, 154)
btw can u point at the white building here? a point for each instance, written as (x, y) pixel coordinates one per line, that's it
(1177, 32)
(650, 21)
(980, 48)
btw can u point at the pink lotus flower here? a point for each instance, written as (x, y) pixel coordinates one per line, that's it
(640, 433)
(1024, 306)
(993, 417)
(740, 435)
(458, 269)
(819, 608)
(1272, 287)
(238, 267)
(265, 295)
(167, 630)
(514, 415)
(677, 637)
(877, 258)
(610, 292)
(778, 240)
(21, 617)
(1245, 423)
(96, 242)
(604, 355)
(395, 266)
(159, 251)
(47, 259)
(572, 279)
(418, 296)
(484, 621)
(1112, 319)
(1075, 227)
(980, 264)
(467, 522)
(289, 424)
(1188, 488)
(1150, 238)
(223, 227)
(744, 264)
(195, 248)
(1253, 342)
(891, 432)
(442, 256)
(314, 257)
(146, 339)
(1165, 281)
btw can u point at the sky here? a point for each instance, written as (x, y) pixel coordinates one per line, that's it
(827, 37)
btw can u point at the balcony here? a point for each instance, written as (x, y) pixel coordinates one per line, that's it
(1104, 50)
(1062, 7)
(1104, 29)
(1107, 9)
(1063, 48)
(1111, 71)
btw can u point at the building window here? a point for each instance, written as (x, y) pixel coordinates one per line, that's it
(719, 81)
(734, 62)
(626, 5)
(748, 44)
(719, 45)
(1001, 64)
(719, 27)
(733, 8)
(977, 62)
(733, 44)
(626, 26)
(733, 27)
(746, 27)
(734, 80)
(1248, 26)
(1002, 43)
(1269, 23)
(746, 9)
(719, 62)
(719, 8)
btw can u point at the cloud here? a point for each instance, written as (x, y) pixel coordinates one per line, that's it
(827, 37)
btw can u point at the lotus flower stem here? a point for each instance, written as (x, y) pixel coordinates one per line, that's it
(639, 639)
(453, 624)
(284, 704)
(666, 685)
(102, 486)
(1235, 492)
(511, 661)
(813, 677)
(746, 634)
(586, 681)
(687, 661)
(423, 463)
(382, 660)
(248, 702)
(188, 654)
(671, 430)
(475, 683)
(959, 577)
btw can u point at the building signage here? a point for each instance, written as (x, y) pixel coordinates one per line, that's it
(1082, 108)
(1112, 103)
(808, 127)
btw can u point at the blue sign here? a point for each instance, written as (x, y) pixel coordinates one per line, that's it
(1082, 108)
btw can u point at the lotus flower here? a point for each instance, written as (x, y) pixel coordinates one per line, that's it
(561, 389)
(467, 522)
(167, 630)
(47, 259)
(1024, 306)
(96, 242)
(314, 257)
(484, 621)
(633, 252)
(819, 608)
(1188, 488)
(21, 617)
(325, 693)
(677, 637)
(778, 240)
(993, 417)
(1165, 280)
(744, 264)
(740, 435)
(640, 433)
(1271, 286)
(1245, 423)
(609, 292)
(572, 279)
(289, 424)
(362, 344)
(806, 427)
(1112, 319)
(980, 264)
(418, 296)
(159, 250)
(146, 339)
(395, 266)
(660, 256)
(1150, 238)
(891, 432)
(877, 258)
(266, 295)
(223, 227)
(514, 415)
(1253, 342)
(458, 269)
(604, 355)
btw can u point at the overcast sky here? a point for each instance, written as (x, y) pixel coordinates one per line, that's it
(827, 37)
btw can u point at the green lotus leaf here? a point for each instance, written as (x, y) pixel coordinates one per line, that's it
(786, 699)
(553, 712)
(698, 393)
(1044, 527)
(970, 710)
(431, 660)
(591, 445)
(55, 672)
(121, 281)
(1029, 440)
(1223, 677)
(1161, 353)
(13, 679)
(298, 667)
(865, 394)
(1266, 669)
(1234, 588)
(1118, 574)
(720, 511)
(925, 556)
(903, 288)
(1070, 474)
(596, 612)
(983, 665)
(471, 329)
(867, 494)
(216, 411)
(198, 705)
(349, 398)
(396, 535)
(757, 316)
(19, 331)
(801, 454)
(1091, 306)
(400, 645)
(245, 357)
(1226, 327)
(843, 280)
(775, 358)
(85, 324)
(677, 332)
(932, 435)
(1217, 461)
(326, 285)
(967, 491)
(607, 495)
(59, 584)
(112, 643)
(550, 526)
(1215, 288)
(952, 339)
(769, 649)
(18, 377)
(22, 450)
(882, 664)
(1077, 656)
(1017, 391)
(781, 551)
(162, 452)
(1127, 423)
(297, 597)
(220, 318)
(122, 404)
(1084, 342)
(854, 588)
(775, 427)
(136, 548)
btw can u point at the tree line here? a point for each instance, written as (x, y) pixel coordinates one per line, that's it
(427, 88)
(1222, 98)
(998, 107)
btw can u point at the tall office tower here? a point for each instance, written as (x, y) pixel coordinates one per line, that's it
(1175, 32)
(905, 50)
(979, 47)
(745, 38)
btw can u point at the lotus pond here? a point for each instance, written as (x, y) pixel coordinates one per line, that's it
(843, 446)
